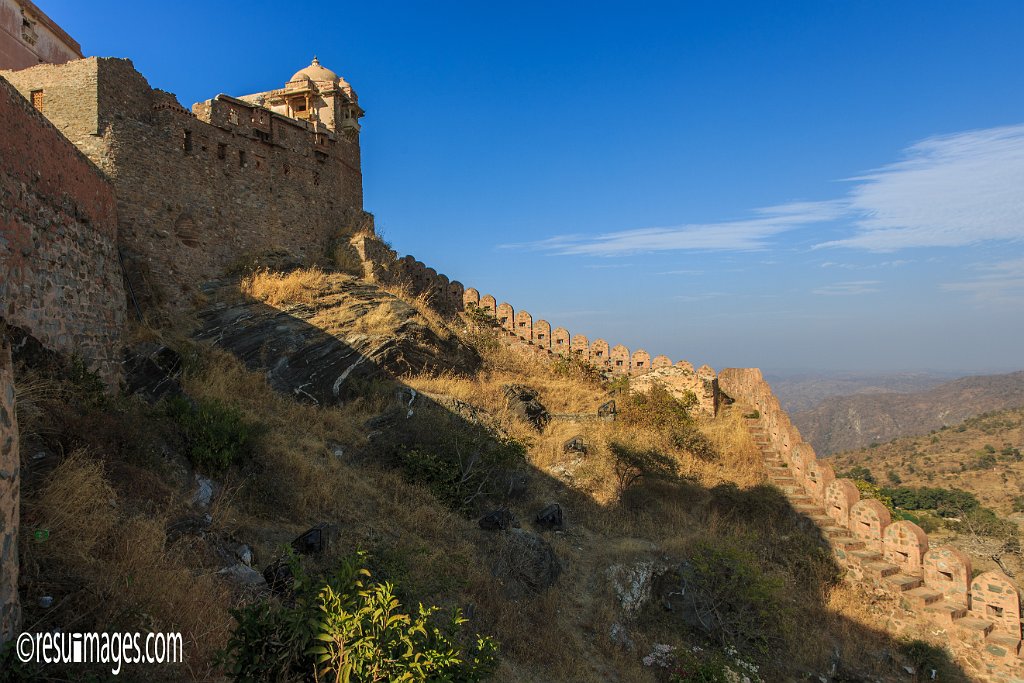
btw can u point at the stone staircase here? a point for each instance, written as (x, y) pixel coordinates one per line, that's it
(870, 567)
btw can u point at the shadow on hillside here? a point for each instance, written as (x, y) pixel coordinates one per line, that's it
(446, 446)
(747, 549)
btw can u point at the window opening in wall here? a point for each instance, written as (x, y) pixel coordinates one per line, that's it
(599, 353)
(186, 141)
(37, 100)
(222, 150)
(618, 363)
(948, 576)
(993, 611)
(241, 158)
(559, 341)
(639, 363)
(902, 557)
(540, 335)
(522, 324)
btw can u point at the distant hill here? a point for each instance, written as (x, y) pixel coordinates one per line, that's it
(842, 423)
(982, 455)
(804, 390)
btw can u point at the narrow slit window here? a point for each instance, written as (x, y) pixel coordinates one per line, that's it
(241, 158)
(186, 141)
(222, 150)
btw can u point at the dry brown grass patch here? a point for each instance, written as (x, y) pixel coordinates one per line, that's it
(277, 289)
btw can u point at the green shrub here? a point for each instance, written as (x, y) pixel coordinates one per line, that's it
(216, 435)
(350, 628)
(859, 472)
(731, 599)
(945, 502)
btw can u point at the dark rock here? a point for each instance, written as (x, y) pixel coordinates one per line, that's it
(524, 404)
(152, 370)
(550, 517)
(525, 562)
(314, 541)
(575, 445)
(607, 410)
(279, 577)
(498, 520)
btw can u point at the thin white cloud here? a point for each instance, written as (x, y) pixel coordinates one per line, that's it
(948, 191)
(896, 263)
(848, 288)
(743, 235)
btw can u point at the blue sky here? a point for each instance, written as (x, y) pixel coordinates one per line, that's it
(799, 185)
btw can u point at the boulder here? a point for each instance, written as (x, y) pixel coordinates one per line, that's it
(152, 370)
(314, 541)
(633, 584)
(498, 520)
(525, 563)
(550, 518)
(314, 351)
(243, 575)
(524, 403)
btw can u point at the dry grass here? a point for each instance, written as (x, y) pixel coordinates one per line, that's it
(277, 289)
(112, 570)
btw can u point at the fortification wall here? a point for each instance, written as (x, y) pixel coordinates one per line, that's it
(382, 265)
(58, 235)
(10, 484)
(198, 192)
(931, 589)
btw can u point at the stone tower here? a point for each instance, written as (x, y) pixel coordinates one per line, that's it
(317, 95)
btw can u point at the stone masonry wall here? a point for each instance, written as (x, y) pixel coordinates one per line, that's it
(382, 265)
(58, 233)
(10, 621)
(200, 192)
(930, 590)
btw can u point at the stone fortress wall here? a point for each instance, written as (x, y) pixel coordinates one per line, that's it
(199, 190)
(60, 281)
(380, 264)
(933, 588)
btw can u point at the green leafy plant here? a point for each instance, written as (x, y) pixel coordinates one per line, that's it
(352, 629)
(216, 435)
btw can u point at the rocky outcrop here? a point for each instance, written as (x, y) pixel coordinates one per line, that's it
(680, 380)
(313, 351)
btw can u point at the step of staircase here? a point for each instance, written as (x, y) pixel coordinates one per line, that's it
(880, 569)
(946, 612)
(973, 626)
(904, 582)
(922, 597)
(847, 543)
(866, 556)
(1003, 644)
(835, 531)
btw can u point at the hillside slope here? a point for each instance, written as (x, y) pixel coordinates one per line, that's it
(981, 455)
(846, 422)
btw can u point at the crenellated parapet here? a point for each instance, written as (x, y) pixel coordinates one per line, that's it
(382, 265)
(933, 587)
